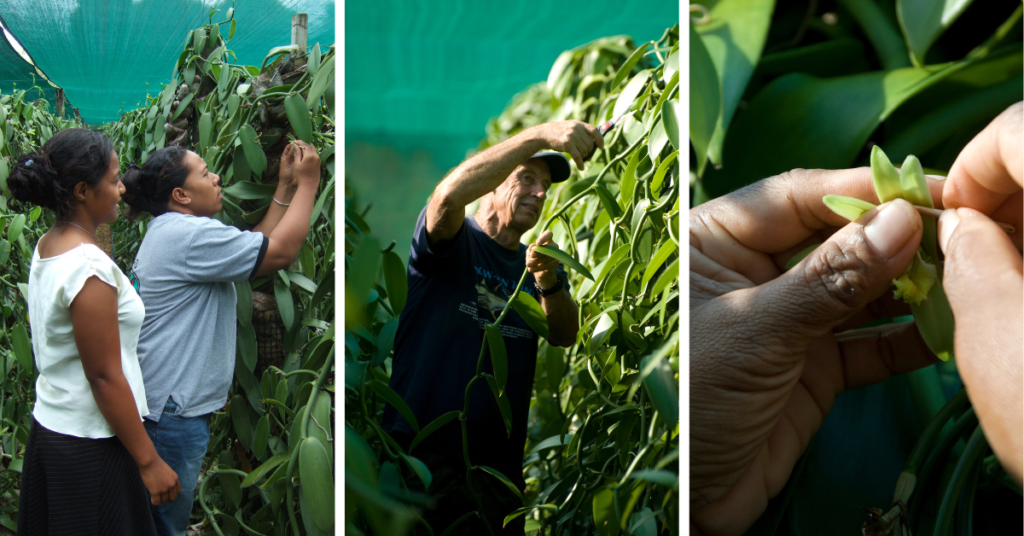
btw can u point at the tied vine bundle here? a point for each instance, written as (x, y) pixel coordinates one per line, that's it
(603, 438)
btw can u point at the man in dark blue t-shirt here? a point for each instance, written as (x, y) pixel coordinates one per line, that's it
(461, 273)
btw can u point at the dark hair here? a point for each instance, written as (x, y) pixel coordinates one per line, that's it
(48, 176)
(148, 189)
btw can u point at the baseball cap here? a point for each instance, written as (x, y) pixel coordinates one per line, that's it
(557, 163)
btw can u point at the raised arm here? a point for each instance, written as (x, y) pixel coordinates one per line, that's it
(94, 323)
(486, 171)
(286, 187)
(285, 241)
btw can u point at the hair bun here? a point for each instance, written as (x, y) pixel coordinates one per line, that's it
(34, 181)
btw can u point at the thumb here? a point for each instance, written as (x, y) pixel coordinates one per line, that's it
(854, 267)
(983, 268)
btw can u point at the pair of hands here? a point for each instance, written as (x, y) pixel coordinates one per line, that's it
(300, 164)
(768, 352)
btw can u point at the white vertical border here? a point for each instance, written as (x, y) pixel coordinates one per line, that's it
(339, 283)
(684, 260)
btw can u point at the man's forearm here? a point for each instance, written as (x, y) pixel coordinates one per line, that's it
(563, 318)
(486, 171)
(275, 212)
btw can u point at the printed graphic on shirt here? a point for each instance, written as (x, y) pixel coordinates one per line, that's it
(492, 293)
(136, 284)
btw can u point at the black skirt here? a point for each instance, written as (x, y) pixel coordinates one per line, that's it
(79, 486)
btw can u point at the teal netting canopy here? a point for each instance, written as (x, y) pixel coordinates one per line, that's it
(446, 67)
(16, 73)
(104, 52)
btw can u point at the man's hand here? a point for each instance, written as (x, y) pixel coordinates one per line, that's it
(983, 279)
(574, 137)
(767, 355)
(307, 164)
(542, 266)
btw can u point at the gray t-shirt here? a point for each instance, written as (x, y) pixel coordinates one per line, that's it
(185, 272)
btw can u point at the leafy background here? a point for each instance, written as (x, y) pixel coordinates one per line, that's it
(816, 84)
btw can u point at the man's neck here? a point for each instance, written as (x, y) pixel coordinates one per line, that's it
(506, 237)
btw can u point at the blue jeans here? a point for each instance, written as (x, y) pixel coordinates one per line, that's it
(181, 443)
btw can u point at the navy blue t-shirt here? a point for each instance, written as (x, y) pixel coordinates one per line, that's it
(455, 287)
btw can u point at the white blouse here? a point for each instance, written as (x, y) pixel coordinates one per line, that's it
(64, 400)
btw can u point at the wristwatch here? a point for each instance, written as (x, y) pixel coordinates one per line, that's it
(553, 290)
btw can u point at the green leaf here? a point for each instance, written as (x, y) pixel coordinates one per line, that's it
(240, 420)
(667, 277)
(531, 312)
(670, 122)
(565, 259)
(666, 165)
(628, 180)
(503, 405)
(396, 282)
(553, 441)
(663, 253)
(17, 225)
(850, 208)
(629, 93)
(247, 348)
(844, 110)
(419, 468)
(205, 130)
(499, 356)
(604, 512)
(360, 275)
(607, 201)
(606, 324)
(262, 435)
(285, 304)
(661, 387)
(623, 71)
(396, 401)
(432, 427)
(912, 182)
(324, 75)
(504, 480)
(298, 117)
(734, 41)
(923, 21)
(181, 106)
(231, 31)
(659, 477)
(520, 511)
(22, 348)
(658, 139)
(250, 191)
(315, 473)
(554, 362)
(265, 468)
(705, 99)
(229, 486)
(254, 154)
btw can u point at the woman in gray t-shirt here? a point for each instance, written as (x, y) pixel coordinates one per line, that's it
(185, 272)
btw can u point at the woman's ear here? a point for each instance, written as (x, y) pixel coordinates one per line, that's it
(179, 196)
(79, 191)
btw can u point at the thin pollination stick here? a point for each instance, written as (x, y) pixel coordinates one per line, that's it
(936, 212)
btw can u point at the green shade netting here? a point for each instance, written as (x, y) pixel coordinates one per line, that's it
(422, 80)
(104, 52)
(16, 73)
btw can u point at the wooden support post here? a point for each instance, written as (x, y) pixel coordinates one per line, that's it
(300, 30)
(60, 103)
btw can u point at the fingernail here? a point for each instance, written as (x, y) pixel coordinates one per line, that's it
(936, 177)
(891, 228)
(947, 224)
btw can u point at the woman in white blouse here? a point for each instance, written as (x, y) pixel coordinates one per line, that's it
(88, 462)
